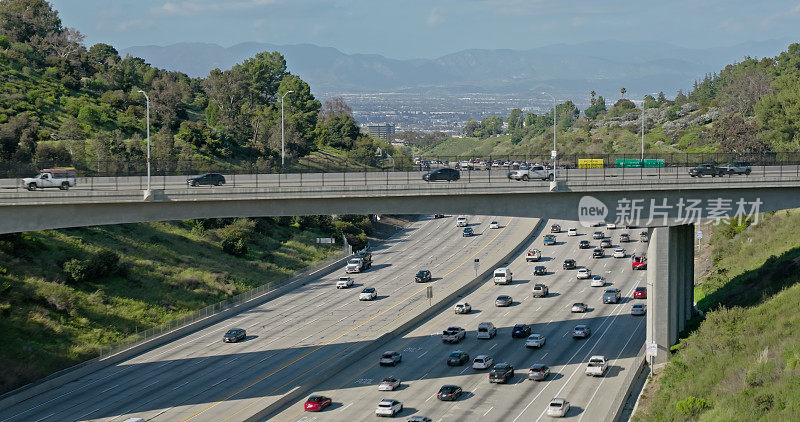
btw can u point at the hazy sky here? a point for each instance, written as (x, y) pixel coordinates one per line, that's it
(430, 28)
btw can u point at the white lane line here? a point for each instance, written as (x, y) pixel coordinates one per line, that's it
(465, 369)
(180, 386)
(45, 417)
(423, 354)
(429, 398)
(538, 308)
(487, 412)
(493, 346)
(89, 413)
(426, 374)
(262, 360)
(348, 405)
(109, 388)
(145, 387)
(219, 382)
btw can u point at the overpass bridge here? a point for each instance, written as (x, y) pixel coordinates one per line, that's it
(667, 206)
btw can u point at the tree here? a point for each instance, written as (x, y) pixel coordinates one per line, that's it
(734, 134)
(28, 21)
(515, 120)
(227, 92)
(491, 126)
(649, 102)
(103, 56)
(266, 71)
(780, 113)
(165, 101)
(598, 107)
(472, 128)
(744, 87)
(623, 91)
(592, 100)
(680, 98)
(661, 98)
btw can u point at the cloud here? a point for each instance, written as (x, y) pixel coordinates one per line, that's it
(434, 18)
(795, 10)
(196, 7)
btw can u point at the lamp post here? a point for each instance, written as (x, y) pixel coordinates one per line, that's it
(148, 139)
(283, 142)
(554, 134)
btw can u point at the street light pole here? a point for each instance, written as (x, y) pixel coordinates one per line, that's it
(554, 134)
(148, 139)
(283, 142)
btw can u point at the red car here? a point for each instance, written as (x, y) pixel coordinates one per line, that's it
(640, 293)
(639, 262)
(317, 403)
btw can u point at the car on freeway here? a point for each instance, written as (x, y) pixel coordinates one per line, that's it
(611, 296)
(611, 226)
(390, 358)
(453, 334)
(539, 270)
(584, 244)
(644, 237)
(486, 330)
(457, 358)
(389, 384)
(449, 393)
(520, 331)
(569, 264)
(638, 309)
(572, 231)
(640, 293)
(344, 282)
(501, 373)
(583, 273)
(443, 174)
(597, 281)
(555, 228)
(389, 407)
(620, 253)
(581, 331)
(234, 335)
(503, 300)
(369, 293)
(738, 167)
(533, 255)
(208, 179)
(503, 275)
(422, 276)
(482, 362)
(598, 235)
(579, 307)
(535, 340)
(706, 170)
(461, 221)
(438, 216)
(558, 408)
(538, 372)
(468, 232)
(598, 253)
(638, 262)
(540, 290)
(605, 243)
(494, 225)
(624, 238)
(317, 403)
(418, 418)
(462, 308)
(549, 240)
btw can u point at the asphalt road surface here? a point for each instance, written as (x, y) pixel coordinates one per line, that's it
(198, 377)
(423, 370)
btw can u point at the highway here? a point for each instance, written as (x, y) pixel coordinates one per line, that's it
(615, 334)
(198, 377)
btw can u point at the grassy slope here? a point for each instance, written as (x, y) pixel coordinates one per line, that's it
(175, 268)
(743, 361)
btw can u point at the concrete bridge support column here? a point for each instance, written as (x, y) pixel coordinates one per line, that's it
(670, 285)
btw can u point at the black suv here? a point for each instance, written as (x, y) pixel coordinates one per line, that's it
(422, 276)
(457, 358)
(539, 270)
(234, 335)
(501, 372)
(738, 167)
(706, 170)
(521, 331)
(449, 175)
(569, 264)
(211, 179)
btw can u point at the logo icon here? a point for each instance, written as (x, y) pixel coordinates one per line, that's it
(591, 211)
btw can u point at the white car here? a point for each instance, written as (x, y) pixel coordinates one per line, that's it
(535, 340)
(494, 225)
(462, 308)
(619, 253)
(579, 307)
(558, 408)
(598, 281)
(389, 384)
(572, 232)
(639, 309)
(583, 273)
(344, 282)
(611, 226)
(482, 362)
(389, 407)
(368, 293)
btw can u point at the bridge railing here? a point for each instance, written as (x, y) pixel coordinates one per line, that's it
(329, 169)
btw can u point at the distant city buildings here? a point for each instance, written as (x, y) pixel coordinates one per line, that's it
(381, 130)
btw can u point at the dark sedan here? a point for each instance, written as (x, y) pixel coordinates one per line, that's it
(445, 174)
(521, 331)
(210, 179)
(423, 276)
(584, 244)
(234, 335)
(449, 393)
(569, 264)
(539, 270)
(457, 358)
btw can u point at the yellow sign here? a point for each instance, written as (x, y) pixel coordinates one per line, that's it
(590, 163)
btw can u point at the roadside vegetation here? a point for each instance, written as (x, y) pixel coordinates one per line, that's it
(742, 361)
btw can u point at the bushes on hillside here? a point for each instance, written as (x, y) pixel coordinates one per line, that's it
(236, 236)
(104, 264)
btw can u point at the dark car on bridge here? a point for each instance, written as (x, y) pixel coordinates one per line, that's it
(449, 393)
(444, 174)
(539, 270)
(423, 276)
(234, 335)
(569, 264)
(584, 244)
(457, 358)
(706, 170)
(210, 179)
(521, 331)
(501, 373)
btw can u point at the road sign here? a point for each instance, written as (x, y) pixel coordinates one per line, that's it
(553, 154)
(652, 349)
(326, 240)
(699, 234)
(476, 264)
(429, 292)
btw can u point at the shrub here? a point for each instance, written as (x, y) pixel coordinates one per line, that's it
(236, 236)
(77, 270)
(105, 263)
(691, 406)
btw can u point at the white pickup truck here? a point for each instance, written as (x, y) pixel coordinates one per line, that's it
(597, 366)
(62, 178)
(532, 172)
(453, 334)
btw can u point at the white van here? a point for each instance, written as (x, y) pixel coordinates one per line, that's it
(502, 275)
(461, 221)
(486, 330)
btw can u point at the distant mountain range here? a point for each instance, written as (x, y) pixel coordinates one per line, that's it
(565, 69)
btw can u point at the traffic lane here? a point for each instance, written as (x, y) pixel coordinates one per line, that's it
(214, 342)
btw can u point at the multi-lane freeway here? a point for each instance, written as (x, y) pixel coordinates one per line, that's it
(616, 334)
(289, 339)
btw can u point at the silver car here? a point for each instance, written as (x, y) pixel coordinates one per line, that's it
(538, 372)
(558, 408)
(503, 300)
(389, 384)
(639, 309)
(579, 307)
